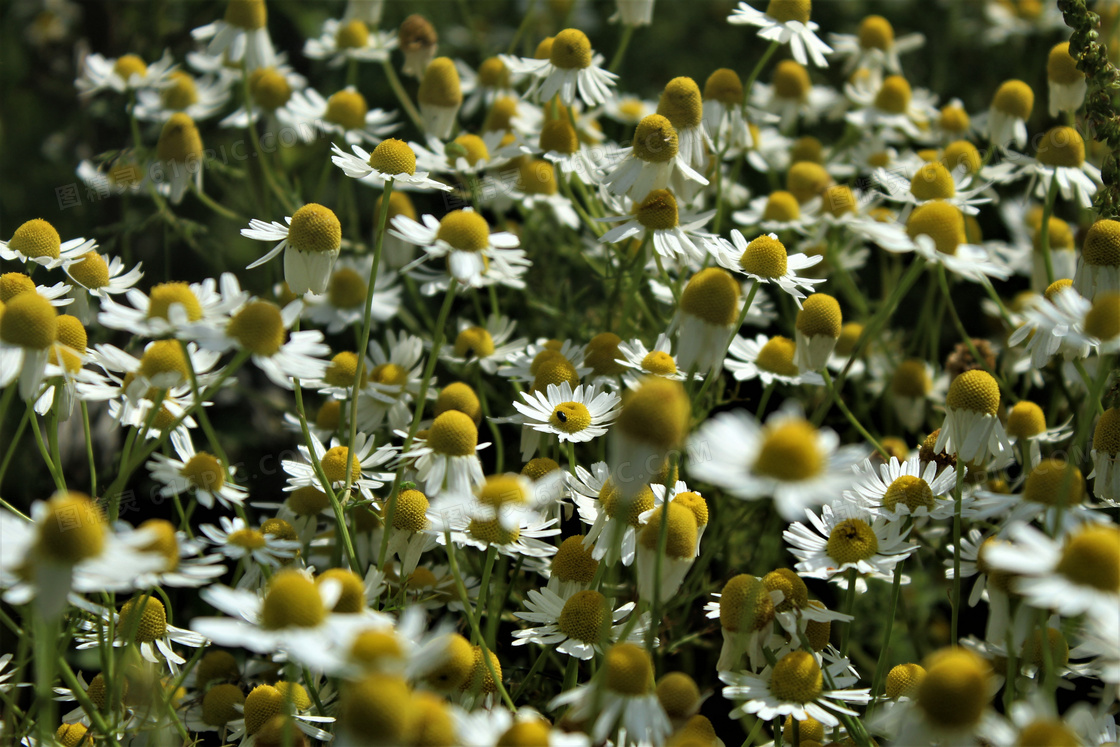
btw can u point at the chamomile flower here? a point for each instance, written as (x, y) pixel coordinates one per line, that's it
(1049, 324)
(705, 320)
(199, 98)
(642, 361)
(236, 540)
(440, 97)
(1026, 428)
(311, 241)
(874, 46)
(342, 305)
(1076, 574)
(334, 462)
(174, 308)
(1066, 84)
(464, 238)
(681, 104)
(1106, 457)
(653, 159)
(194, 471)
(765, 260)
(724, 113)
(790, 96)
(898, 489)
(351, 39)
(28, 339)
(488, 345)
(628, 109)
(626, 696)
(614, 520)
(37, 241)
(446, 459)
(890, 105)
(779, 211)
(241, 35)
(936, 180)
(571, 68)
(1053, 482)
(537, 190)
(846, 536)
(344, 114)
(653, 422)
(787, 459)
(1007, 118)
(517, 532)
(391, 159)
(271, 89)
(184, 561)
(99, 276)
(786, 22)
(145, 618)
(770, 359)
(1061, 162)
(492, 83)
(266, 718)
(577, 416)
(466, 154)
(936, 231)
(791, 687)
(657, 216)
(128, 72)
(580, 623)
(972, 430)
(682, 540)
(1098, 269)
(394, 382)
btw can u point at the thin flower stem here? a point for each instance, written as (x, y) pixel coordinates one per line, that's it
(849, 604)
(402, 96)
(6, 400)
(483, 592)
(59, 483)
(620, 53)
(943, 280)
(749, 82)
(659, 558)
(881, 666)
(532, 671)
(209, 202)
(852, 418)
(765, 399)
(89, 448)
(957, 500)
(1094, 402)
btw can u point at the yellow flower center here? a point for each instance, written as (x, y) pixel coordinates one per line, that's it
(465, 231)
(334, 465)
(680, 540)
(911, 379)
(279, 529)
(261, 706)
(456, 666)
(876, 32)
(343, 369)
(678, 694)
(179, 141)
(784, 11)
(1102, 244)
(954, 691)
(586, 617)
(1055, 288)
(162, 357)
(975, 391)
(776, 356)
(389, 374)
(250, 539)
(724, 86)
(745, 604)
(1025, 420)
(14, 283)
(351, 601)
(165, 294)
(537, 468)
(941, 221)
(894, 95)
(454, 434)
(148, 621)
(818, 633)
(72, 334)
(1048, 733)
(618, 507)
(292, 602)
(393, 157)
(346, 289)
(1092, 558)
(791, 81)
(811, 731)
(781, 206)
(659, 363)
(373, 647)
(36, 238)
(629, 669)
(904, 680)
(1061, 68)
(839, 200)
(913, 492)
(379, 706)
(603, 354)
(657, 413)
(655, 139)
(503, 490)
(849, 335)
(493, 73)
(259, 328)
(347, 109)
(218, 704)
(571, 50)
(165, 542)
(204, 472)
(1106, 436)
(246, 14)
(180, 93)
(713, 296)
(790, 452)
(807, 148)
(90, 271)
(807, 180)
(128, 65)
(1014, 98)
(1063, 147)
(459, 396)
(681, 103)
(315, 228)
(1103, 319)
(852, 540)
(555, 370)
(932, 182)
(794, 592)
(961, 154)
(73, 529)
(796, 678)
(954, 119)
(269, 88)
(490, 530)
(819, 316)
(1054, 481)
(658, 211)
(570, 417)
(307, 501)
(352, 35)
(474, 342)
(573, 561)
(1034, 653)
(440, 85)
(216, 665)
(537, 177)
(558, 136)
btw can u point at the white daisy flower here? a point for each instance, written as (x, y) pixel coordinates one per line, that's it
(37, 241)
(628, 109)
(791, 687)
(311, 241)
(936, 231)
(874, 46)
(571, 68)
(1026, 428)
(1073, 576)
(1106, 457)
(144, 620)
(198, 471)
(391, 159)
(523, 365)
(847, 536)
(446, 459)
(465, 155)
(786, 23)
(236, 540)
(271, 90)
(787, 459)
(625, 699)
(1061, 161)
(537, 190)
(725, 113)
(490, 728)
(344, 114)
(241, 35)
(903, 488)
(1100, 640)
(770, 359)
(175, 308)
(765, 260)
(29, 342)
(791, 96)
(580, 624)
(614, 520)
(643, 362)
(577, 416)
(265, 702)
(464, 237)
(394, 382)
(651, 162)
(1050, 325)
(933, 181)
(350, 39)
(99, 276)
(890, 105)
(123, 73)
(1098, 268)
(199, 98)
(334, 462)
(484, 89)
(779, 211)
(1007, 117)
(972, 430)
(1053, 482)
(657, 216)
(342, 305)
(488, 346)
(184, 562)
(517, 532)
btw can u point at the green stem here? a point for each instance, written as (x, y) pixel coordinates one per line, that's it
(881, 666)
(749, 82)
(402, 96)
(59, 483)
(849, 604)
(852, 418)
(957, 501)
(89, 449)
(623, 43)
